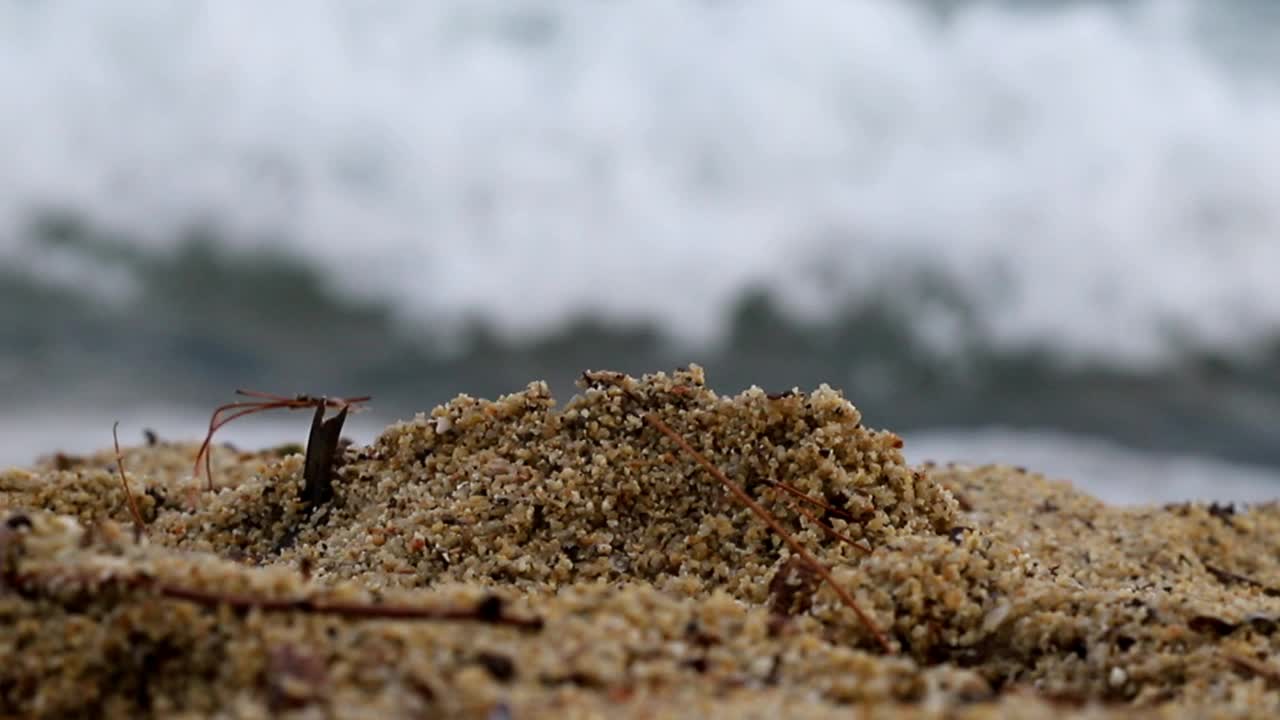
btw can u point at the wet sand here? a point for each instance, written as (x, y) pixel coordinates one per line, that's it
(513, 558)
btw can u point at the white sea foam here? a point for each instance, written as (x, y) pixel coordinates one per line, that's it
(1090, 175)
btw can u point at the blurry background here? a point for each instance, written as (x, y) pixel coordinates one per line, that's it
(1039, 232)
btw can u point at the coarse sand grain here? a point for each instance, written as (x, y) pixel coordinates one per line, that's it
(512, 558)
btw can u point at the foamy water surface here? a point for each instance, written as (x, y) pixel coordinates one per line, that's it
(1095, 177)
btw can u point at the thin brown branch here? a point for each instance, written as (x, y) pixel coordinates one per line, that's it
(768, 518)
(139, 525)
(1226, 576)
(489, 610)
(1256, 667)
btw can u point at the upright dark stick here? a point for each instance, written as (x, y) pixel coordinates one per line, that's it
(322, 449)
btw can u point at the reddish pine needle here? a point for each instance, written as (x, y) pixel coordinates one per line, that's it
(263, 402)
(768, 518)
(830, 530)
(139, 526)
(843, 514)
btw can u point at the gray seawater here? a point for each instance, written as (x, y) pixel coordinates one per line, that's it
(1054, 217)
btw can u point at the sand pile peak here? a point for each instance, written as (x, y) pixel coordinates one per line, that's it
(518, 491)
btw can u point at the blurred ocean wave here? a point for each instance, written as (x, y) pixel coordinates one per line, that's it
(201, 320)
(1050, 215)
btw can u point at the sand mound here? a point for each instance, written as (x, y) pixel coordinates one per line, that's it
(588, 566)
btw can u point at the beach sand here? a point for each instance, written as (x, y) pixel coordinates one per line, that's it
(512, 558)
